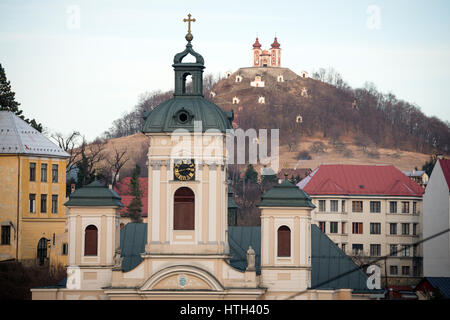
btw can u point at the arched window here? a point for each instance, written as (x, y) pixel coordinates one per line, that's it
(90, 241)
(284, 241)
(42, 251)
(187, 83)
(184, 209)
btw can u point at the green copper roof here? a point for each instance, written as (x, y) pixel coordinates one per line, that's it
(133, 238)
(168, 116)
(331, 268)
(188, 104)
(94, 194)
(286, 194)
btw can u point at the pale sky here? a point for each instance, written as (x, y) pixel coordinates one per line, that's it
(79, 65)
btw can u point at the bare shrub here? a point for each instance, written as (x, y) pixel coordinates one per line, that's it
(304, 155)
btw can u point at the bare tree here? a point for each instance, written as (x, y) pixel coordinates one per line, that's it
(69, 143)
(116, 161)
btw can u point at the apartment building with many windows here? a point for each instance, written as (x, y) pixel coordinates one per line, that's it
(370, 211)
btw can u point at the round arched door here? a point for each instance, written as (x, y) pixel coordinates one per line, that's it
(42, 251)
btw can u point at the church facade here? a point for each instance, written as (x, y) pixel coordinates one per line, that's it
(267, 58)
(187, 250)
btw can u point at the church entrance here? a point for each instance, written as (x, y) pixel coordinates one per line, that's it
(42, 251)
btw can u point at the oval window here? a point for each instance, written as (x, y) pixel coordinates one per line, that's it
(183, 117)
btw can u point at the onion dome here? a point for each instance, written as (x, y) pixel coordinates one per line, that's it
(257, 44)
(275, 44)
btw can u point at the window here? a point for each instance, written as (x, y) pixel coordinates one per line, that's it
(343, 206)
(375, 228)
(393, 270)
(405, 207)
(375, 250)
(343, 228)
(375, 206)
(334, 205)
(32, 203)
(414, 229)
(43, 203)
(184, 209)
(393, 250)
(405, 228)
(322, 225)
(32, 171)
(393, 228)
(414, 207)
(54, 203)
(357, 206)
(284, 241)
(405, 270)
(414, 250)
(65, 249)
(405, 251)
(6, 235)
(43, 172)
(393, 207)
(357, 228)
(90, 240)
(333, 227)
(357, 248)
(343, 247)
(54, 173)
(42, 250)
(322, 206)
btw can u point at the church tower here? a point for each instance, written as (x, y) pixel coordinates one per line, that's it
(285, 240)
(188, 193)
(256, 53)
(275, 54)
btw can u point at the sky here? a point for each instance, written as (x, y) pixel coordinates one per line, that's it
(79, 65)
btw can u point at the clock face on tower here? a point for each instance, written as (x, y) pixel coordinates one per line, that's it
(184, 170)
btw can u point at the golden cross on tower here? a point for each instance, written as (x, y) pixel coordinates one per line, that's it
(189, 20)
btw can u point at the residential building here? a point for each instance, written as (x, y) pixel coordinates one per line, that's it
(418, 176)
(377, 210)
(436, 219)
(32, 192)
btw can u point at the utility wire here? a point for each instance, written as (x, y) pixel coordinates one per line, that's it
(365, 265)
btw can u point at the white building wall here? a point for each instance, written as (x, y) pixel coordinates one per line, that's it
(384, 217)
(436, 205)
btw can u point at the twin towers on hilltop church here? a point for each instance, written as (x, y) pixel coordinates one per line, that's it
(266, 58)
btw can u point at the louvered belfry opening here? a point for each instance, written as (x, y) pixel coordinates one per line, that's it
(90, 241)
(184, 209)
(284, 241)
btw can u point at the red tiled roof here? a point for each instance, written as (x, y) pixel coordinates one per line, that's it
(122, 188)
(359, 180)
(445, 165)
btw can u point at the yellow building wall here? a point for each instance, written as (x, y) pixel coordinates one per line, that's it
(9, 172)
(32, 226)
